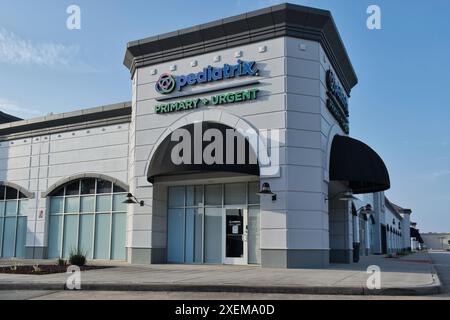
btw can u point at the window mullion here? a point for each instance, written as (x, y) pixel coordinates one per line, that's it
(95, 219)
(17, 221)
(203, 224)
(111, 220)
(63, 222)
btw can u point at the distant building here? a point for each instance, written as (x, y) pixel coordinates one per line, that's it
(436, 241)
(416, 239)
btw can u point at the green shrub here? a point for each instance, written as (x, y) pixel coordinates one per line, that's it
(77, 258)
(61, 262)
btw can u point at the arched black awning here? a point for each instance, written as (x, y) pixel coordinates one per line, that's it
(355, 162)
(161, 163)
(415, 234)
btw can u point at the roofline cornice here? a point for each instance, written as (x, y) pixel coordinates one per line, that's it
(284, 20)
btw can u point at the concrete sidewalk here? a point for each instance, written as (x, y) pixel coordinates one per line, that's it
(411, 275)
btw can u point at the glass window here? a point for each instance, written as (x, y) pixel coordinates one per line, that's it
(11, 208)
(198, 240)
(86, 221)
(72, 205)
(176, 196)
(190, 193)
(58, 193)
(213, 194)
(104, 186)
(73, 188)
(198, 200)
(102, 236)
(54, 240)
(118, 239)
(88, 186)
(23, 207)
(70, 234)
(194, 196)
(213, 235)
(103, 203)
(253, 189)
(175, 245)
(254, 252)
(118, 189)
(2, 221)
(86, 236)
(9, 237)
(56, 205)
(11, 193)
(118, 204)
(236, 193)
(13, 228)
(189, 236)
(87, 204)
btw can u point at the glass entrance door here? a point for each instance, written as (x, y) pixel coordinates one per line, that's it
(235, 230)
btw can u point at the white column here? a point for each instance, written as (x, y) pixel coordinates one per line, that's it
(368, 242)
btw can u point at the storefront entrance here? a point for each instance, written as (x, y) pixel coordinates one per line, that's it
(215, 223)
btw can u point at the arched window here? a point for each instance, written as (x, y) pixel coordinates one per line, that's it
(13, 222)
(87, 215)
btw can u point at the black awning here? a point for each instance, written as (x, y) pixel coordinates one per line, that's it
(161, 163)
(415, 234)
(355, 162)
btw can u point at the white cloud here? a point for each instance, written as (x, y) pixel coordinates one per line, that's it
(432, 176)
(439, 174)
(16, 110)
(15, 50)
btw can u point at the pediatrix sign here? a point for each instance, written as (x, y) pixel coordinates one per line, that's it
(167, 83)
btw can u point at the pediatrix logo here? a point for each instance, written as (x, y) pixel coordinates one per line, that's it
(167, 83)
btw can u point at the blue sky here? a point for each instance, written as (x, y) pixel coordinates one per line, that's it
(400, 106)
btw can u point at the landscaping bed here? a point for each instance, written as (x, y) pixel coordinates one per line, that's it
(44, 269)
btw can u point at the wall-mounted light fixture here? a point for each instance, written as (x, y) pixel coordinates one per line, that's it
(133, 200)
(265, 191)
(367, 209)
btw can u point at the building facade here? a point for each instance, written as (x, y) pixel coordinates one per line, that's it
(275, 82)
(436, 240)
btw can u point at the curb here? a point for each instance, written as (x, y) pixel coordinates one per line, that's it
(435, 276)
(432, 289)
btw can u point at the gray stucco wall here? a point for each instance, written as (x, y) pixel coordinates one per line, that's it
(37, 162)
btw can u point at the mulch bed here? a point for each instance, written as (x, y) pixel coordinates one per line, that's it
(44, 269)
(417, 261)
